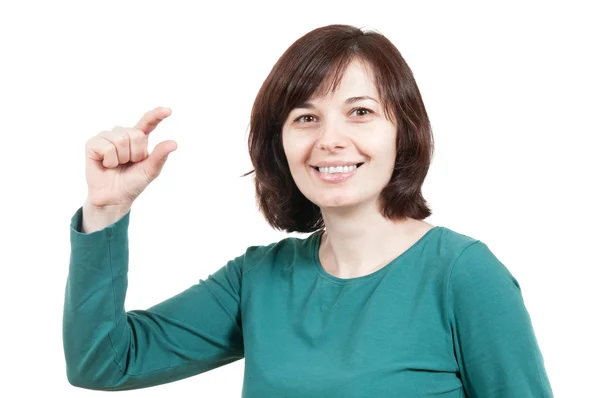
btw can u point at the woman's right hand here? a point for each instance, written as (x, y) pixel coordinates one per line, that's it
(118, 166)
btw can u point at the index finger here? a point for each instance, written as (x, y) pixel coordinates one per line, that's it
(152, 118)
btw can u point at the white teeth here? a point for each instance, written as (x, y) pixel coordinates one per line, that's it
(339, 169)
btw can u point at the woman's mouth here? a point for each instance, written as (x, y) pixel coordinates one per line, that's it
(336, 174)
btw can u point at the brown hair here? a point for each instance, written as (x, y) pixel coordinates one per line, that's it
(319, 56)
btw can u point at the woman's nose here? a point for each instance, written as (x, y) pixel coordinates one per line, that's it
(331, 137)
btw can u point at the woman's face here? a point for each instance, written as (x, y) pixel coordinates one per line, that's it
(344, 126)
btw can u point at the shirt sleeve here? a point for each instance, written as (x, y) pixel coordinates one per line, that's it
(494, 342)
(107, 348)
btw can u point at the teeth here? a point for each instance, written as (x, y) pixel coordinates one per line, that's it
(339, 169)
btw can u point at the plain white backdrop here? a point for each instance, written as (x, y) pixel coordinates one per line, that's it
(511, 90)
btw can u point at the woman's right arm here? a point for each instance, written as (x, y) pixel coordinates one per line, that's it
(107, 348)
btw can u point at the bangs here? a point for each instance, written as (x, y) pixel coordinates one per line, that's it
(319, 71)
(314, 77)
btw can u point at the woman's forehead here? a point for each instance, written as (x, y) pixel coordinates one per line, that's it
(355, 81)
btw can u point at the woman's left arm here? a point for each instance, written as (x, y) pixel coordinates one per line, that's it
(494, 341)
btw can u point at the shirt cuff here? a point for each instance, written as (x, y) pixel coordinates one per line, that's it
(115, 230)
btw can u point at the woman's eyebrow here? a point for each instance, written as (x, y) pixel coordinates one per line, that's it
(351, 100)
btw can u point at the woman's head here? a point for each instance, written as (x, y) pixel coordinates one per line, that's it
(303, 116)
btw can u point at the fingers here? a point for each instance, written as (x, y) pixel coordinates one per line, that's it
(138, 145)
(101, 149)
(120, 139)
(119, 146)
(152, 118)
(158, 157)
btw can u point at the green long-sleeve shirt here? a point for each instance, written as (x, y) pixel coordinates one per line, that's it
(444, 319)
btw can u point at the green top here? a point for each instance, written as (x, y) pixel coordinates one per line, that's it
(444, 319)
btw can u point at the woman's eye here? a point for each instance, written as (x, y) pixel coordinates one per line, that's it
(361, 111)
(299, 119)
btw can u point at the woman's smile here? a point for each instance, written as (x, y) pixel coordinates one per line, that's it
(336, 177)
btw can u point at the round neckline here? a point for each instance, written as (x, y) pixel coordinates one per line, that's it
(364, 278)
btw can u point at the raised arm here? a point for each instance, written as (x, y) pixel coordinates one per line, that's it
(107, 348)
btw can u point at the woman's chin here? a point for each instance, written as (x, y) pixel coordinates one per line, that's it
(336, 201)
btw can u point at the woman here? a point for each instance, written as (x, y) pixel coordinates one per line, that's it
(374, 302)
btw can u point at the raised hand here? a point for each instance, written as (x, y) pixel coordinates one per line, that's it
(118, 166)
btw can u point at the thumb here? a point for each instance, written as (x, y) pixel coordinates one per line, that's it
(156, 160)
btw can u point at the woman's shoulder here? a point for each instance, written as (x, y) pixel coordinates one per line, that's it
(470, 257)
(456, 238)
(459, 249)
(293, 241)
(449, 243)
(276, 251)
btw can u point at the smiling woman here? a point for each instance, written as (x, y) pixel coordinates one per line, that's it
(334, 86)
(375, 302)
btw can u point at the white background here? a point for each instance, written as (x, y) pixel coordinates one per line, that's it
(511, 90)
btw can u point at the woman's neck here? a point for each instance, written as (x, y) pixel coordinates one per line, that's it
(359, 243)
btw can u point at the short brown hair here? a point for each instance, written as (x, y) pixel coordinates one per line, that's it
(323, 55)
